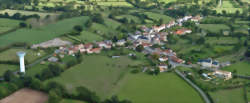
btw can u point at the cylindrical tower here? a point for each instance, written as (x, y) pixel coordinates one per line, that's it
(21, 55)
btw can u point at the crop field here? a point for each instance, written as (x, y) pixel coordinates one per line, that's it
(242, 68)
(228, 96)
(163, 88)
(26, 96)
(5, 67)
(98, 73)
(12, 12)
(214, 27)
(10, 55)
(45, 33)
(8, 24)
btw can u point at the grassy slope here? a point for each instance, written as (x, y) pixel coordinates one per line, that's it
(42, 34)
(164, 88)
(8, 24)
(99, 75)
(228, 96)
(243, 68)
(158, 16)
(214, 27)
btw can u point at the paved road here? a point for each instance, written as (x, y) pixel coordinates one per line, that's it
(39, 60)
(202, 93)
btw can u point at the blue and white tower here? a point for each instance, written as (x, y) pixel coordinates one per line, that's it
(21, 55)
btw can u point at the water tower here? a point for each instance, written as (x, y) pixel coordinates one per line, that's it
(21, 55)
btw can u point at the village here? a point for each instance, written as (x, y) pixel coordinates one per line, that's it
(146, 38)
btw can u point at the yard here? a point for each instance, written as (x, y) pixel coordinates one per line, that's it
(45, 33)
(98, 73)
(8, 24)
(228, 96)
(163, 88)
(241, 68)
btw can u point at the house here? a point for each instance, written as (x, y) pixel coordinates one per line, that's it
(163, 59)
(183, 31)
(95, 50)
(223, 74)
(224, 64)
(170, 24)
(53, 59)
(177, 60)
(209, 63)
(120, 42)
(88, 46)
(163, 67)
(159, 28)
(196, 18)
(104, 45)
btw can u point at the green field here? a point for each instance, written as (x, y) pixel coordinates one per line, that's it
(38, 35)
(71, 101)
(5, 67)
(98, 73)
(242, 68)
(89, 36)
(10, 55)
(228, 6)
(163, 88)
(228, 96)
(222, 40)
(12, 12)
(157, 16)
(214, 27)
(8, 24)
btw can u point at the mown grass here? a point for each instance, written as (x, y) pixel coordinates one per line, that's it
(241, 68)
(228, 96)
(5, 67)
(38, 35)
(163, 88)
(98, 73)
(214, 27)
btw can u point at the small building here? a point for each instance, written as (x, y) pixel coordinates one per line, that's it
(120, 42)
(223, 74)
(163, 67)
(183, 31)
(53, 59)
(159, 28)
(95, 50)
(209, 63)
(163, 59)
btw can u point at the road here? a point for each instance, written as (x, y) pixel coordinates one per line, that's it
(201, 92)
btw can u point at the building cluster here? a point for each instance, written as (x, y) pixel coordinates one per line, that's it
(218, 73)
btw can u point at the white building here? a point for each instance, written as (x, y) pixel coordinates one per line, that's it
(223, 74)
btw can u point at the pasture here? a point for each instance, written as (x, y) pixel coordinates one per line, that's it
(87, 36)
(31, 55)
(98, 73)
(5, 67)
(44, 33)
(8, 24)
(228, 96)
(26, 96)
(158, 16)
(23, 12)
(216, 28)
(241, 68)
(163, 88)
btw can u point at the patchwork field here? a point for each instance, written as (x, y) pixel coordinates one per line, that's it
(8, 24)
(228, 96)
(163, 88)
(242, 68)
(98, 73)
(38, 35)
(26, 96)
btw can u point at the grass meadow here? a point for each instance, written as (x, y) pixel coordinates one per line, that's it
(10, 55)
(5, 67)
(163, 88)
(8, 24)
(228, 96)
(38, 35)
(216, 28)
(242, 68)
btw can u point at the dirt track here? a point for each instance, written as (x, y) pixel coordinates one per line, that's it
(26, 96)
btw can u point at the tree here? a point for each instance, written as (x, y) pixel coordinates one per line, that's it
(54, 97)
(87, 95)
(8, 76)
(115, 99)
(88, 24)
(139, 48)
(22, 25)
(201, 40)
(78, 28)
(97, 18)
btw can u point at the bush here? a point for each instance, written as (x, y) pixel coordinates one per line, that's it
(135, 71)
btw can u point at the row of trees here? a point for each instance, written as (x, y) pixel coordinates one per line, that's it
(19, 16)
